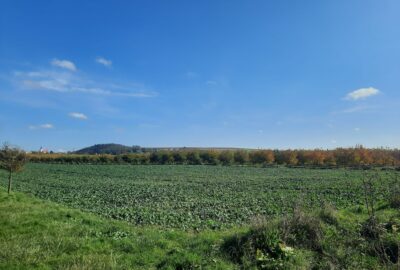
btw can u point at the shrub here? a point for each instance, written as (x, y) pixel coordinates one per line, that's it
(240, 157)
(193, 158)
(105, 158)
(380, 242)
(261, 157)
(155, 158)
(144, 159)
(165, 158)
(302, 230)
(390, 248)
(226, 157)
(209, 157)
(261, 247)
(179, 157)
(394, 194)
(394, 201)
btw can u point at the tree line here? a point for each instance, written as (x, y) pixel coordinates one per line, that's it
(357, 156)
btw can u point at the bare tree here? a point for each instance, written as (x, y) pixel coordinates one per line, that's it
(12, 160)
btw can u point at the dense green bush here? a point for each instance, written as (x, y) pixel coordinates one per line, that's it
(179, 157)
(302, 230)
(226, 157)
(262, 247)
(241, 157)
(193, 158)
(209, 157)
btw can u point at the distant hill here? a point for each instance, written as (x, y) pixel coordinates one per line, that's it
(115, 149)
(109, 148)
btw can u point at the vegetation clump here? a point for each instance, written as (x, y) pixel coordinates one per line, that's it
(12, 160)
(262, 247)
(302, 230)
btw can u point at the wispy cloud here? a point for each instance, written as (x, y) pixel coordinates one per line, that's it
(103, 61)
(357, 129)
(43, 126)
(356, 109)
(362, 93)
(64, 64)
(77, 115)
(65, 82)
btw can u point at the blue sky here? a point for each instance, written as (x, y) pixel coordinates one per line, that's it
(260, 74)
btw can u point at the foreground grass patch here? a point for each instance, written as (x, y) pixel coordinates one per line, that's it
(43, 235)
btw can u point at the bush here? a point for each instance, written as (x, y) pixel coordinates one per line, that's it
(144, 159)
(394, 194)
(179, 157)
(155, 158)
(380, 242)
(302, 230)
(241, 157)
(390, 250)
(261, 247)
(165, 158)
(209, 157)
(261, 157)
(226, 157)
(193, 158)
(394, 201)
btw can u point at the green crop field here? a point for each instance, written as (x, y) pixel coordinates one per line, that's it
(198, 217)
(193, 197)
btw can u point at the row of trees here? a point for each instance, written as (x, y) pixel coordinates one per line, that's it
(357, 156)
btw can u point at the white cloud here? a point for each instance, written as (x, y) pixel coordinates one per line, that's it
(43, 126)
(357, 129)
(77, 115)
(103, 61)
(54, 85)
(333, 141)
(64, 64)
(65, 82)
(362, 93)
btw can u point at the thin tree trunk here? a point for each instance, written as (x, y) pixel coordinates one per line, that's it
(9, 183)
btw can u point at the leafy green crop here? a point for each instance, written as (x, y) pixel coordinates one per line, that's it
(192, 197)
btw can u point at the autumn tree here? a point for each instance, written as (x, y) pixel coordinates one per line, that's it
(12, 160)
(262, 157)
(240, 157)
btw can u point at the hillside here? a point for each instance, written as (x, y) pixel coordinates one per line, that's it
(115, 149)
(110, 148)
